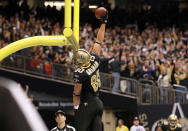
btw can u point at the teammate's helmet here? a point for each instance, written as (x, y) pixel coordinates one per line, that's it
(81, 58)
(173, 119)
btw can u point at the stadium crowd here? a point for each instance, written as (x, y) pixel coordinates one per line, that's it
(149, 52)
(158, 54)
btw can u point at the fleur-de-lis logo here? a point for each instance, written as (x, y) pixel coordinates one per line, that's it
(80, 58)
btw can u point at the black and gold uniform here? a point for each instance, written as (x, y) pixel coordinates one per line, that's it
(170, 125)
(165, 126)
(89, 114)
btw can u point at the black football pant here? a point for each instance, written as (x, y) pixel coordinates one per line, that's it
(88, 117)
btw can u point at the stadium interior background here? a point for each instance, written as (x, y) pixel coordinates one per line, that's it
(147, 38)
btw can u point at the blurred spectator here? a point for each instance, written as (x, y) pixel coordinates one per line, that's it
(163, 83)
(47, 68)
(104, 67)
(36, 64)
(136, 126)
(163, 80)
(147, 71)
(128, 70)
(121, 126)
(115, 65)
(68, 69)
(146, 93)
(180, 76)
(156, 72)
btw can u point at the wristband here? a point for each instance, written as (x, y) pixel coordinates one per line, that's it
(75, 94)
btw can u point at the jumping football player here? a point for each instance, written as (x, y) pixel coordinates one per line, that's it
(87, 84)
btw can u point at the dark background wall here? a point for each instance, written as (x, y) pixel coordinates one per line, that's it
(150, 114)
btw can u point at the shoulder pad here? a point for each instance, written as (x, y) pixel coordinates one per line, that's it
(165, 122)
(179, 125)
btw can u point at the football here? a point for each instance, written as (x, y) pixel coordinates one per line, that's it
(100, 12)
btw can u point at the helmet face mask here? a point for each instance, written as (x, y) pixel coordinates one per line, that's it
(173, 122)
(173, 119)
(81, 58)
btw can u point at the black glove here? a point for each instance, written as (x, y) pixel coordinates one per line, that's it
(160, 123)
(104, 19)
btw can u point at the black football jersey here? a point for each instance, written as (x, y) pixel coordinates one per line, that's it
(89, 77)
(165, 126)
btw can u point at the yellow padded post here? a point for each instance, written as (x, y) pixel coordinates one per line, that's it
(72, 40)
(68, 16)
(32, 41)
(76, 19)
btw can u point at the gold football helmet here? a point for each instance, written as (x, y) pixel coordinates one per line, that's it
(81, 58)
(173, 120)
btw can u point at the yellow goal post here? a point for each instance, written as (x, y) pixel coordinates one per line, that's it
(70, 38)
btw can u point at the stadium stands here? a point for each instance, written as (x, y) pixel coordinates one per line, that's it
(147, 49)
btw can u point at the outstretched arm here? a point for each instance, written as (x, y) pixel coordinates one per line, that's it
(100, 37)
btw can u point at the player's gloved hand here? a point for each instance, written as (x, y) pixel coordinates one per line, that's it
(160, 123)
(104, 19)
(76, 107)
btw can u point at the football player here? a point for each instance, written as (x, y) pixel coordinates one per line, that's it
(169, 125)
(89, 108)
